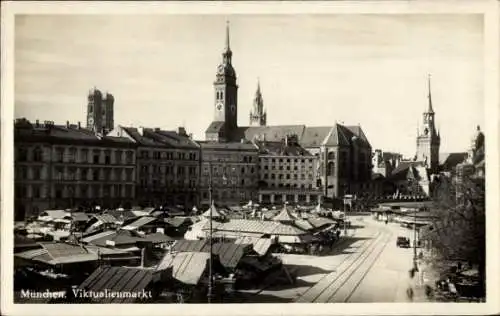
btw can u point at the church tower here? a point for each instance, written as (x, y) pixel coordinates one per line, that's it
(258, 115)
(100, 111)
(428, 138)
(226, 92)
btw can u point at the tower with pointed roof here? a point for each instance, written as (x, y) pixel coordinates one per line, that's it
(258, 116)
(225, 122)
(428, 138)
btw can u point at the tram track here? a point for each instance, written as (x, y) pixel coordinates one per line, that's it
(317, 292)
(345, 291)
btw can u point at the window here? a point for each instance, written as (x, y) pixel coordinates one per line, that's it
(95, 157)
(37, 173)
(22, 154)
(130, 157)
(72, 154)
(107, 157)
(37, 154)
(59, 154)
(288, 177)
(84, 153)
(36, 191)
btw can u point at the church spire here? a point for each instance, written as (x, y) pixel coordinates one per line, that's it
(228, 47)
(227, 51)
(258, 114)
(430, 110)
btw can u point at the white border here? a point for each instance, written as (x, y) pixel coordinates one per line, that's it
(491, 35)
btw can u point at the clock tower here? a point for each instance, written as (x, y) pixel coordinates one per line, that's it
(226, 91)
(428, 138)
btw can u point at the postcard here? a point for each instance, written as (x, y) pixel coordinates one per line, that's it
(250, 158)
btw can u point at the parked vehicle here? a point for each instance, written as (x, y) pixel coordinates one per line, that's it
(403, 242)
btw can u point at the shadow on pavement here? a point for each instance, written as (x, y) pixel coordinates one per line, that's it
(285, 286)
(304, 270)
(259, 298)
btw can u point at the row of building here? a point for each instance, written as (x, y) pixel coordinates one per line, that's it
(62, 166)
(102, 164)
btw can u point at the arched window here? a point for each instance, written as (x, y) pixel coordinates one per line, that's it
(331, 169)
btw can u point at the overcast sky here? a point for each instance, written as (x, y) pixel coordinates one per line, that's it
(313, 70)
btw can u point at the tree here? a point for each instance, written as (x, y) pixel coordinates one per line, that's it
(458, 233)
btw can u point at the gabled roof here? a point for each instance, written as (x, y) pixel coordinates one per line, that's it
(56, 214)
(270, 133)
(187, 267)
(229, 253)
(281, 149)
(358, 131)
(249, 226)
(449, 161)
(314, 136)
(80, 216)
(178, 221)
(140, 139)
(58, 253)
(117, 279)
(213, 212)
(215, 127)
(260, 245)
(119, 237)
(105, 218)
(139, 222)
(284, 216)
(119, 215)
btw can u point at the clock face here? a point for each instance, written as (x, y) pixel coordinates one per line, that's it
(91, 121)
(218, 106)
(233, 108)
(220, 69)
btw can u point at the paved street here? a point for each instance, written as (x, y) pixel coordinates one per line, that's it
(366, 267)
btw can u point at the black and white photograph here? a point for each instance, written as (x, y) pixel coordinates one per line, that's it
(227, 157)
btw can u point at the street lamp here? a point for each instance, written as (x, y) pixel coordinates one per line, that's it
(211, 201)
(412, 190)
(210, 273)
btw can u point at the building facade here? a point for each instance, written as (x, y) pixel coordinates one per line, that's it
(168, 166)
(64, 166)
(287, 173)
(230, 170)
(100, 111)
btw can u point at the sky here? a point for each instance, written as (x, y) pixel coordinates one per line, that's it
(315, 70)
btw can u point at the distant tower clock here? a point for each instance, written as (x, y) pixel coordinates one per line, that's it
(219, 106)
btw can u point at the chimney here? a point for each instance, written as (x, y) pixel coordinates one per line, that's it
(190, 135)
(140, 130)
(79, 125)
(67, 124)
(37, 123)
(181, 131)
